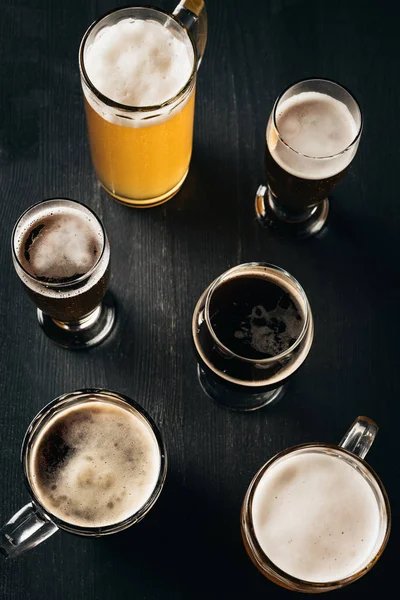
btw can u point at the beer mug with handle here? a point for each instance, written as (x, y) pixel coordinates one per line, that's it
(94, 463)
(316, 517)
(138, 69)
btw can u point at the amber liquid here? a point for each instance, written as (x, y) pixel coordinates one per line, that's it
(142, 166)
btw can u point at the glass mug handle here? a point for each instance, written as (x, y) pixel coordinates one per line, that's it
(25, 530)
(192, 15)
(360, 436)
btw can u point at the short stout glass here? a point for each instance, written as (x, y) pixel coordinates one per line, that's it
(312, 136)
(94, 464)
(61, 254)
(138, 67)
(252, 329)
(316, 517)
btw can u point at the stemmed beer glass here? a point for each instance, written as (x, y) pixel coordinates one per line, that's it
(312, 136)
(61, 255)
(252, 329)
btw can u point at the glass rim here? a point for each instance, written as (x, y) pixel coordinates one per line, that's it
(271, 567)
(65, 284)
(40, 419)
(220, 280)
(331, 81)
(126, 107)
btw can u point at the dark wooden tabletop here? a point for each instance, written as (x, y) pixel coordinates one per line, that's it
(189, 545)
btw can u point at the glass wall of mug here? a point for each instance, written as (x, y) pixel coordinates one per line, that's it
(138, 70)
(316, 517)
(94, 464)
(312, 136)
(252, 329)
(61, 254)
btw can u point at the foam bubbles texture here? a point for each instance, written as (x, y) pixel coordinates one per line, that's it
(316, 126)
(89, 228)
(65, 247)
(271, 332)
(138, 63)
(110, 472)
(316, 517)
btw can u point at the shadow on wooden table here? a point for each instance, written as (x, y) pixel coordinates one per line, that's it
(190, 546)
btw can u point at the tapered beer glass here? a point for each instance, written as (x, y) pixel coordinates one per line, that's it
(61, 255)
(312, 136)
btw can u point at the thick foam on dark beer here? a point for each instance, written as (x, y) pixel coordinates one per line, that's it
(57, 242)
(316, 124)
(95, 464)
(316, 130)
(61, 245)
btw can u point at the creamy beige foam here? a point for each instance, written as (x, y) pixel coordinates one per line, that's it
(109, 472)
(66, 246)
(63, 249)
(138, 63)
(316, 517)
(317, 126)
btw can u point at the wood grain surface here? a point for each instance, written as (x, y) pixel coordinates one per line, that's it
(189, 545)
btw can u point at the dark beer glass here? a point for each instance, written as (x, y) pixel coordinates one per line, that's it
(61, 254)
(87, 477)
(312, 136)
(252, 329)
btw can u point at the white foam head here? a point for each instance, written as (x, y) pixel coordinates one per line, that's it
(138, 63)
(316, 517)
(316, 126)
(62, 249)
(110, 472)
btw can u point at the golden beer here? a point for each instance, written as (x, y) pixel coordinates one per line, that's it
(138, 69)
(147, 164)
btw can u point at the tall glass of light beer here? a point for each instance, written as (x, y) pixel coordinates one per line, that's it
(138, 69)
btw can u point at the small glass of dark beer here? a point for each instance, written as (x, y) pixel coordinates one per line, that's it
(61, 254)
(312, 136)
(252, 329)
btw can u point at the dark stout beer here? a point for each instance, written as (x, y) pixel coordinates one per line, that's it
(255, 318)
(62, 259)
(309, 150)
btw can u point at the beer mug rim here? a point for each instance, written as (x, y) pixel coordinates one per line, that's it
(329, 81)
(264, 361)
(125, 107)
(264, 562)
(92, 395)
(65, 284)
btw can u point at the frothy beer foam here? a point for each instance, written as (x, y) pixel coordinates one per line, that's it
(61, 246)
(317, 126)
(316, 517)
(95, 465)
(138, 63)
(58, 243)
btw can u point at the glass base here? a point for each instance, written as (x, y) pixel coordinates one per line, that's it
(237, 398)
(280, 221)
(147, 202)
(86, 333)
